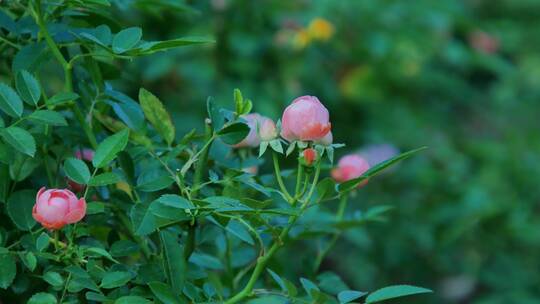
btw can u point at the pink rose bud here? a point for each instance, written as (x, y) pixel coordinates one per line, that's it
(56, 208)
(349, 167)
(327, 140)
(85, 154)
(252, 140)
(305, 119)
(309, 155)
(483, 42)
(267, 129)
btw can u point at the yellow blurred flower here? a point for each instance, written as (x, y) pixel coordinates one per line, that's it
(301, 39)
(320, 29)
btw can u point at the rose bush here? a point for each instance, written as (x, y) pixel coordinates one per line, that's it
(157, 217)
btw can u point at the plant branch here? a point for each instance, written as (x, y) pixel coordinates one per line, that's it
(279, 179)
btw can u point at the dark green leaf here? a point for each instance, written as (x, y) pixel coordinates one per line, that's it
(49, 117)
(104, 179)
(124, 248)
(347, 296)
(19, 208)
(77, 170)
(8, 270)
(126, 39)
(163, 292)
(53, 278)
(62, 98)
(10, 102)
(28, 87)
(29, 260)
(173, 260)
(109, 148)
(392, 292)
(234, 133)
(42, 298)
(132, 300)
(19, 139)
(115, 279)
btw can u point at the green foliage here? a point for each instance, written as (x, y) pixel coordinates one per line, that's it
(175, 214)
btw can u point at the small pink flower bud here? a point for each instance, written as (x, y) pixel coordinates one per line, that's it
(484, 42)
(310, 155)
(267, 129)
(305, 119)
(56, 208)
(349, 167)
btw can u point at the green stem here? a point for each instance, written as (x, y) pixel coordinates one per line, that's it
(278, 243)
(190, 241)
(299, 173)
(289, 198)
(201, 162)
(56, 244)
(339, 216)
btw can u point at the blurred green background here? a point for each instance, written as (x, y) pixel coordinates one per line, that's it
(462, 77)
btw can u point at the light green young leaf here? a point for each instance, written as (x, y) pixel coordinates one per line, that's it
(157, 115)
(109, 148)
(348, 296)
(10, 102)
(19, 139)
(28, 87)
(77, 170)
(42, 298)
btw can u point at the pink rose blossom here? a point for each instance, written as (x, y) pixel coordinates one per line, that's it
(261, 127)
(349, 167)
(267, 129)
(56, 208)
(327, 140)
(305, 119)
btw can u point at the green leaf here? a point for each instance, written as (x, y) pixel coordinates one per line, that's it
(104, 179)
(153, 180)
(124, 248)
(62, 98)
(109, 148)
(237, 229)
(392, 292)
(115, 279)
(22, 167)
(175, 201)
(234, 133)
(28, 87)
(42, 298)
(19, 139)
(30, 57)
(53, 278)
(19, 208)
(163, 292)
(173, 260)
(309, 286)
(10, 102)
(151, 47)
(276, 145)
(42, 242)
(347, 296)
(126, 39)
(29, 260)
(353, 183)
(77, 170)
(49, 117)
(8, 269)
(95, 208)
(157, 115)
(132, 300)
(97, 251)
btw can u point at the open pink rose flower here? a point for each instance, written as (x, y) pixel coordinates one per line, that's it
(349, 167)
(261, 128)
(56, 208)
(305, 119)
